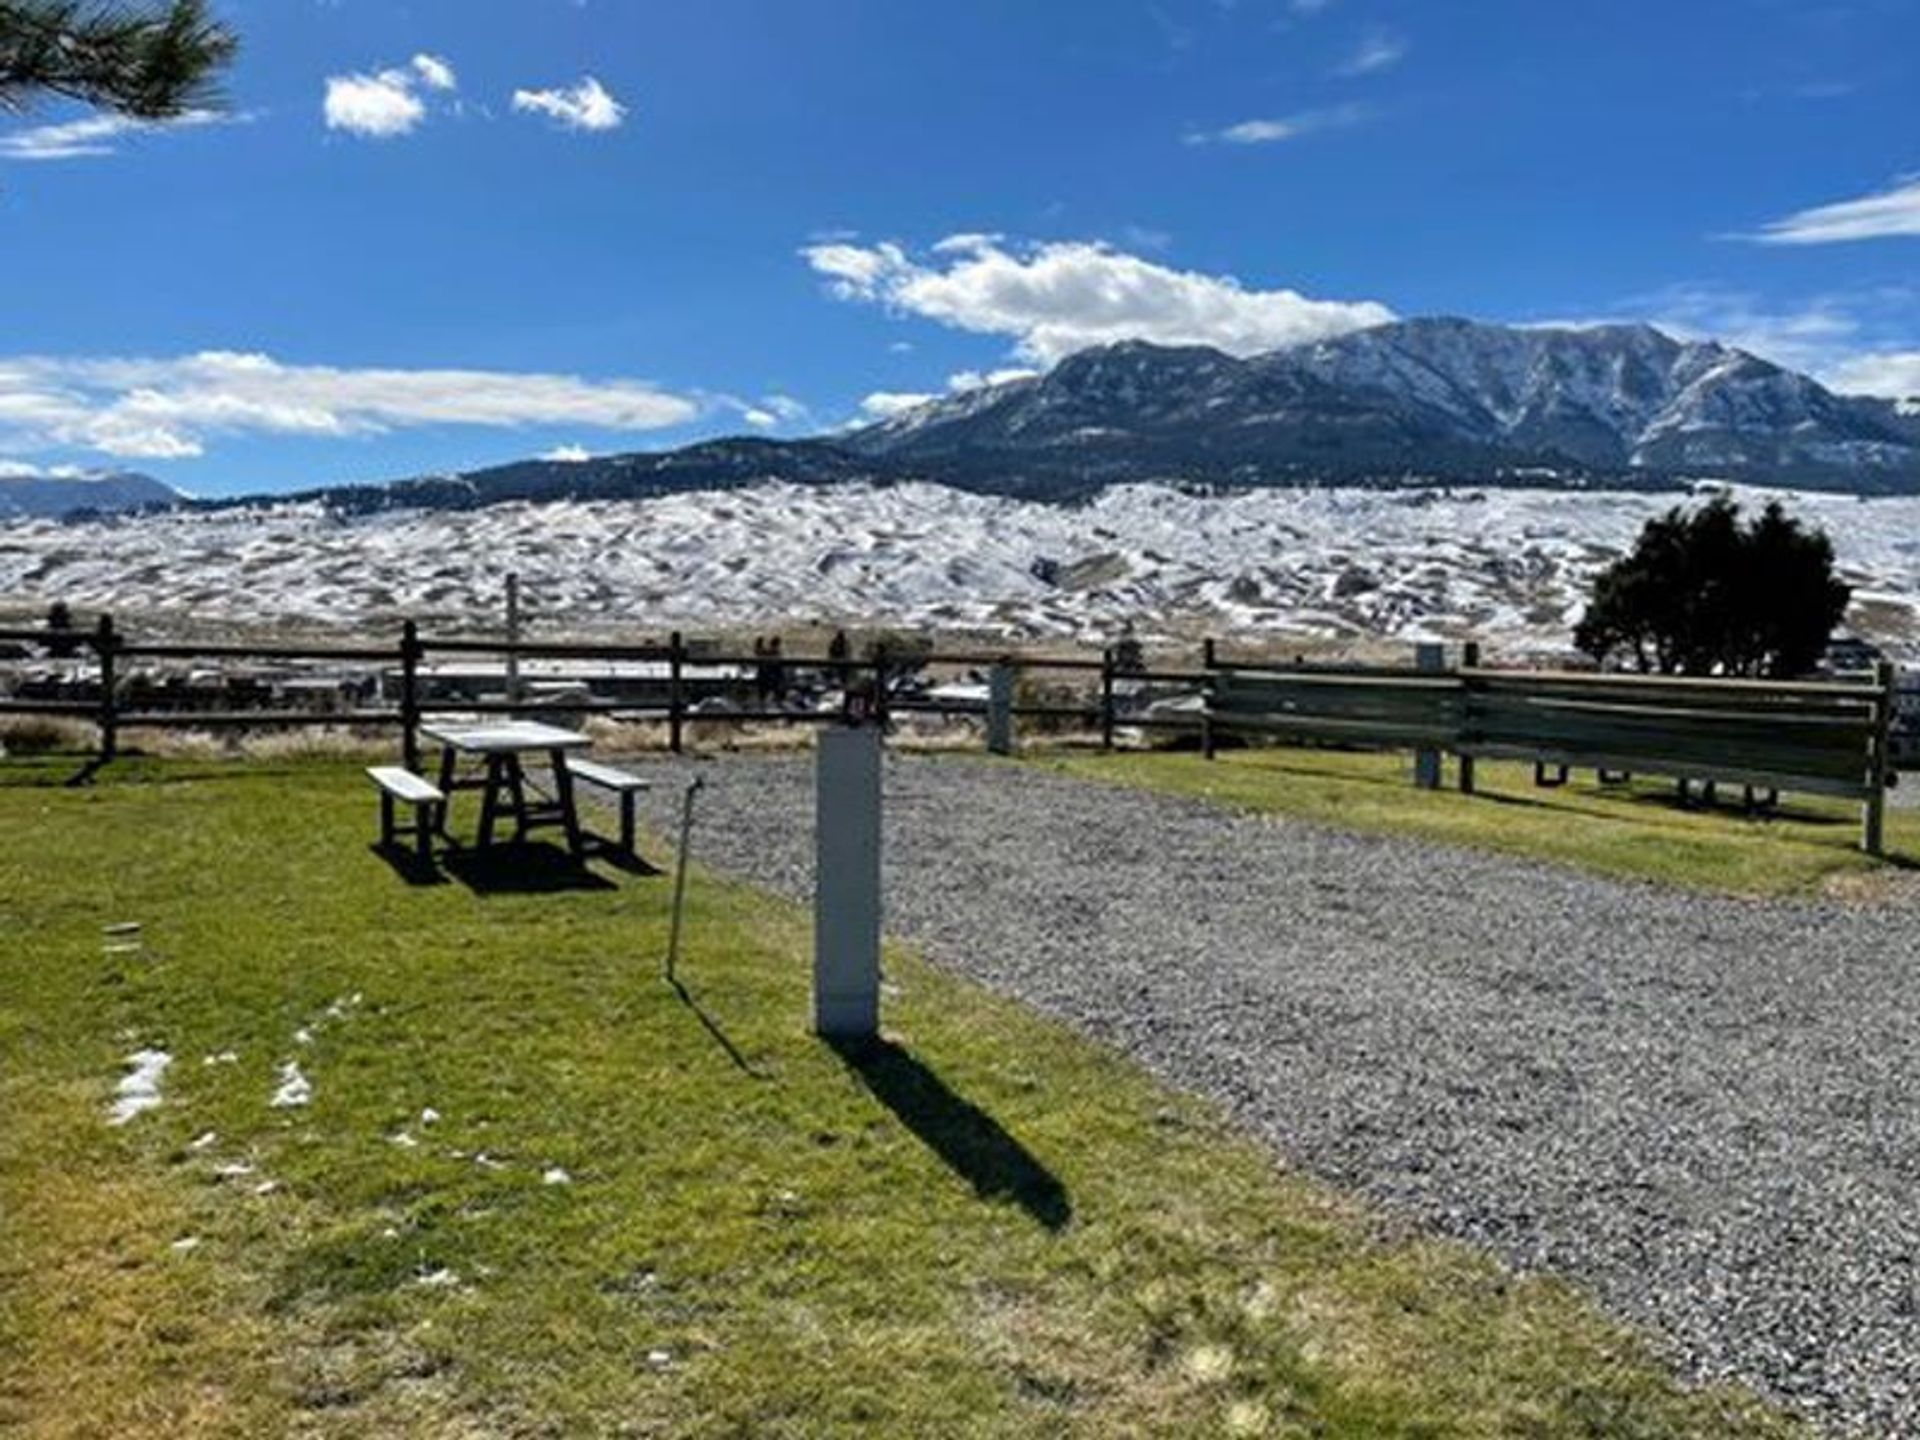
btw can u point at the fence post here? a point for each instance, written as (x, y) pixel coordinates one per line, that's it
(513, 637)
(1874, 820)
(1469, 660)
(1206, 699)
(1106, 698)
(410, 694)
(1000, 709)
(1428, 657)
(881, 704)
(105, 644)
(676, 692)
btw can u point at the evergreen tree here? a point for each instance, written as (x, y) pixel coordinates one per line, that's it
(151, 61)
(1703, 594)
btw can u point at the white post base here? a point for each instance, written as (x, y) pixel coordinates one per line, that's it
(846, 885)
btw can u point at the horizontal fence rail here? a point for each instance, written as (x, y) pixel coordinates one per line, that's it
(1819, 737)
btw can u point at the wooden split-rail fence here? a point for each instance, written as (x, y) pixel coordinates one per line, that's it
(1819, 737)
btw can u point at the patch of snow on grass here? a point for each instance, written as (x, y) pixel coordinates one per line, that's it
(139, 1088)
(295, 1089)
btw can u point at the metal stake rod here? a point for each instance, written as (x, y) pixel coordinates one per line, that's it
(680, 871)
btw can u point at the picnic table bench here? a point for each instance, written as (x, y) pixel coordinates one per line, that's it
(400, 786)
(619, 782)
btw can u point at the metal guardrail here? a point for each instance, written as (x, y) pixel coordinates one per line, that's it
(1812, 737)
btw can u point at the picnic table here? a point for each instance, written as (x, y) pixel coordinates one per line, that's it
(501, 747)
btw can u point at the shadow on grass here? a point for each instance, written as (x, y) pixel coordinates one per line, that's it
(521, 869)
(970, 1141)
(405, 862)
(712, 1027)
(608, 852)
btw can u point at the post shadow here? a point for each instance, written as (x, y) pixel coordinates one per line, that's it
(970, 1141)
(712, 1027)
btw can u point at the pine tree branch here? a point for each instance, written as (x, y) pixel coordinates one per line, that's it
(147, 62)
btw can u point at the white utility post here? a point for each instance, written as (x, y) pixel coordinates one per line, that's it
(513, 635)
(846, 884)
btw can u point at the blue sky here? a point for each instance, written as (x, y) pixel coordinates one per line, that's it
(440, 234)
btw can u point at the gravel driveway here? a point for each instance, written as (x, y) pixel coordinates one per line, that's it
(1707, 1111)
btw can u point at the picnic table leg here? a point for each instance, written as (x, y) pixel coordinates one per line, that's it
(489, 800)
(517, 789)
(443, 811)
(563, 792)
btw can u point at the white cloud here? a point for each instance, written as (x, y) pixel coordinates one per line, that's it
(1057, 298)
(1854, 342)
(1893, 374)
(586, 106)
(1271, 131)
(387, 103)
(758, 418)
(568, 454)
(169, 408)
(1810, 336)
(1889, 212)
(99, 134)
(378, 107)
(435, 72)
(964, 380)
(1379, 50)
(22, 470)
(885, 404)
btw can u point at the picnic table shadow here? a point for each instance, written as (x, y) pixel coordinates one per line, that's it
(972, 1143)
(518, 868)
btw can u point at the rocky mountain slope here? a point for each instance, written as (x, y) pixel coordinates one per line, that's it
(1413, 400)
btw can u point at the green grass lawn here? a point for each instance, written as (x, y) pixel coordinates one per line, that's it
(1635, 832)
(989, 1227)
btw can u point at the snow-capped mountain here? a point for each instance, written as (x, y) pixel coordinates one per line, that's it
(1413, 399)
(44, 495)
(1406, 404)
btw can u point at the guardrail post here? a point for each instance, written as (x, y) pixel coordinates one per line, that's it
(410, 694)
(1469, 660)
(1874, 820)
(1106, 698)
(1428, 657)
(1207, 658)
(105, 644)
(676, 692)
(1000, 710)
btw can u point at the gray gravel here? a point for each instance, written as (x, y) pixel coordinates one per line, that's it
(1703, 1110)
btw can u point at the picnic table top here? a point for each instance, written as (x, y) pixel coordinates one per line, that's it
(504, 736)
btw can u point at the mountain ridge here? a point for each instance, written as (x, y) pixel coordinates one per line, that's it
(1436, 400)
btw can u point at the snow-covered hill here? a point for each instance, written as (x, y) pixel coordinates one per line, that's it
(1507, 566)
